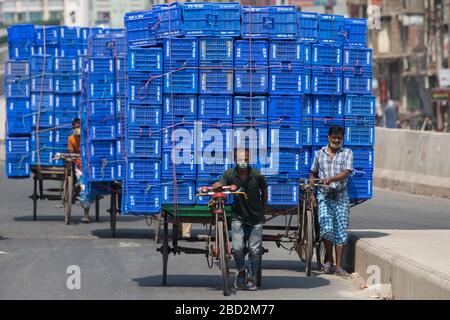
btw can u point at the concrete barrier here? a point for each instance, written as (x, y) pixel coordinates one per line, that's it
(416, 162)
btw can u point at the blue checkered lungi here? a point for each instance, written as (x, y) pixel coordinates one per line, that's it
(334, 210)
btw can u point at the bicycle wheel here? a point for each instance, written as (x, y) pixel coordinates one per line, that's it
(223, 260)
(308, 240)
(68, 194)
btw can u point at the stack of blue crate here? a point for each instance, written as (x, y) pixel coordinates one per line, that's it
(143, 131)
(47, 40)
(179, 116)
(17, 157)
(21, 41)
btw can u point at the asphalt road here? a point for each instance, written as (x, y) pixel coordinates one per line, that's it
(35, 255)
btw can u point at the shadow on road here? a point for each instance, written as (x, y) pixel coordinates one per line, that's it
(368, 234)
(125, 234)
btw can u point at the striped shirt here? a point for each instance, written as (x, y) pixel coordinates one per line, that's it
(327, 168)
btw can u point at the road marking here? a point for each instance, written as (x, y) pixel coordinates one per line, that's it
(128, 245)
(4, 252)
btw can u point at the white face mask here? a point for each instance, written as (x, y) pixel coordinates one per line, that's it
(77, 131)
(333, 145)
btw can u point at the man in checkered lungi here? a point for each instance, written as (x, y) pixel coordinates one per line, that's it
(333, 164)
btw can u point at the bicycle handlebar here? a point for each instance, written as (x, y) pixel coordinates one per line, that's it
(312, 183)
(209, 191)
(66, 156)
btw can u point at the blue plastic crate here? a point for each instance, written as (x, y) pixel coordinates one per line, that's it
(17, 167)
(326, 81)
(46, 140)
(328, 106)
(180, 107)
(214, 107)
(145, 116)
(360, 186)
(326, 55)
(251, 80)
(359, 131)
(285, 134)
(145, 60)
(46, 35)
(180, 52)
(307, 132)
(102, 129)
(320, 130)
(283, 20)
(72, 51)
(101, 65)
(178, 134)
(168, 20)
(363, 158)
(21, 51)
(282, 192)
(286, 53)
(185, 194)
(331, 29)
(143, 143)
(242, 136)
(67, 102)
(61, 137)
(43, 119)
(139, 29)
(113, 31)
(70, 84)
(248, 110)
(69, 35)
(308, 27)
(64, 119)
(287, 108)
(102, 45)
(307, 105)
(183, 81)
(212, 169)
(185, 166)
(289, 80)
(17, 88)
(216, 81)
(120, 148)
(120, 127)
(43, 157)
(360, 105)
(51, 50)
(216, 52)
(17, 146)
(18, 117)
(121, 47)
(285, 164)
(358, 81)
(102, 149)
(145, 90)
(17, 68)
(21, 33)
(101, 169)
(67, 65)
(42, 83)
(251, 53)
(357, 57)
(121, 87)
(101, 110)
(120, 169)
(219, 133)
(143, 170)
(101, 89)
(356, 32)
(141, 198)
(212, 19)
(255, 22)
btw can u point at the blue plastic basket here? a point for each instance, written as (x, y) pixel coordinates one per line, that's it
(183, 81)
(21, 51)
(145, 116)
(360, 186)
(145, 60)
(145, 90)
(102, 129)
(180, 107)
(211, 169)
(255, 22)
(61, 137)
(102, 65)
(17, 166)
(183, 133)
(215, 107)
(216, 81)
(101, 89)
(67, 65)
(326, 81)
(320, 130)
(143, 170)
(285, 53)
(328, 106)
(69, 51)
(51, 50)
(357, 57)
(185, 165)
(356, 32)
(282, 192)
(287, 134)
(285, 164)
(308, 27)
(17, 146)
(139, 28)
(102, 45)
(363, 158)
(70, 84)
(17, 68)
(331, 29)
(251, 80)
(141, 198)
(212, 19)
(251, 53)
(69, 35)
(67, 102)
(358, 81)
(326, 55)
(47, 35)
(102, 149)
(18, 117)
(120, 148)
(120, 127)
(121, 87)
(288, 108)
(43, 119)
(289, 80)
(283, 20)
(359, 131)
(42, 83)
(180, 52)
(218, 131)
(21, 33)
(360, 105)
(120, 169)
(216, 52)
(248, 110)
(185, 192)
(101, 110)
(17, 88)
(307, 106)
(64, 119)
(168, 20)
(46, 140)
(144, 143)
(101, 169)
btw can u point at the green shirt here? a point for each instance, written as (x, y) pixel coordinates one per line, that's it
(250, 210)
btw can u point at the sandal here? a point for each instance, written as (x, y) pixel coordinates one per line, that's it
(327, 268)
(342, 273)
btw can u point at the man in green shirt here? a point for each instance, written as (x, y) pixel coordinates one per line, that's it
(247, 216)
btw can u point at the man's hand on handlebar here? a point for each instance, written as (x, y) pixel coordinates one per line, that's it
(217, 186)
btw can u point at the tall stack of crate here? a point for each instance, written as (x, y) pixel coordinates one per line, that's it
(142, 190)
(21, 42)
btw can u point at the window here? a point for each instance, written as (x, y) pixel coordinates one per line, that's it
(36, 16)
(8, 18)
(103, 16)
(56, 15)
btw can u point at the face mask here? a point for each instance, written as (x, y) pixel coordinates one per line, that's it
(333, 145)
(242, 165)
(77, 131)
